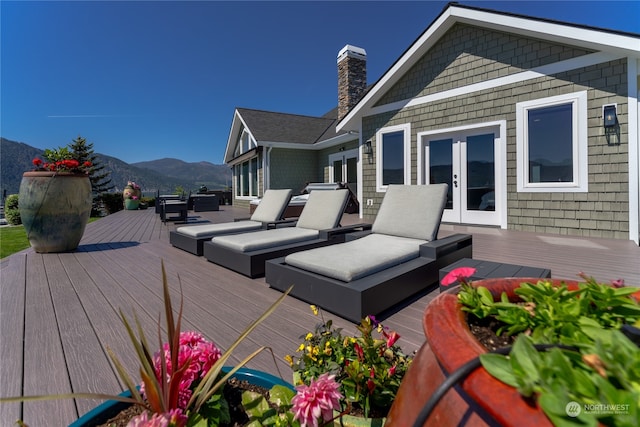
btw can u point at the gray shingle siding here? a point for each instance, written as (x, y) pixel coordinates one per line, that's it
(467, 55)
(293, 168)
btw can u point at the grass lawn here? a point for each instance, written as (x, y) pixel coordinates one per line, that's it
(14, 239)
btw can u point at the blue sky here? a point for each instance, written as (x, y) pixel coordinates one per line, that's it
(154, 79)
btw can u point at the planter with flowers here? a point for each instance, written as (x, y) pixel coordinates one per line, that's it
(55, 201)
(566, 356)
(368, 368)
(131, 196)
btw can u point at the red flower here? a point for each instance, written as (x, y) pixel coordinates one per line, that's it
(37, 162)
(371, 386)
(87, 163)
(458, 275)
(359, 351)
(392, 370)
(392, 338)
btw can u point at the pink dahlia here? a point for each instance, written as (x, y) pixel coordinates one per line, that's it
(173, 418)
(318, 399)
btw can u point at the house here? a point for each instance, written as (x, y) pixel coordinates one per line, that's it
(533, 123)
(277, 150)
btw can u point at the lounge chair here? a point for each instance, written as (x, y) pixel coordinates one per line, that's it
(317, 226)
(191, 238)
(374, 270)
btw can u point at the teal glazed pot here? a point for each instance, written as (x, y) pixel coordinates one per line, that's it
(54, 208)
(131, 204)
(110, 408)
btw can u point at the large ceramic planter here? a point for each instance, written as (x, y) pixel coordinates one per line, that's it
(481, 399)
(110, 408)
(54, 208)
(131, 204)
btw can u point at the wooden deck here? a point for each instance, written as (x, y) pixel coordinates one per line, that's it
(59, 312)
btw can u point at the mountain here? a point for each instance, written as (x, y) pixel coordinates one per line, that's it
(163, 175)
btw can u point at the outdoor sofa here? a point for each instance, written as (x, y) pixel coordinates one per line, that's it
(318, 225)
(191, 238)
(374, 270)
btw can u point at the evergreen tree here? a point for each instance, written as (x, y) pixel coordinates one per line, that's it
(83, 151)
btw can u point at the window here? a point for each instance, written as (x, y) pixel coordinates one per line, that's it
(243, 144)
(552, 144)
(246, 175)
(393, 156)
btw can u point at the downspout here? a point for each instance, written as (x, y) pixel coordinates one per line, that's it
(267, 170)
(633, 78)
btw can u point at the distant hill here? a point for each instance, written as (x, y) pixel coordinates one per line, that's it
(163, 175)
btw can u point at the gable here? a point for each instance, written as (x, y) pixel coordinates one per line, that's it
(467, 54)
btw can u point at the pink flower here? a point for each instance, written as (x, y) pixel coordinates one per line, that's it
(392, 370)
(173, 418)
(619, 283)
(318, 399)
(458, 275)
(359, 351)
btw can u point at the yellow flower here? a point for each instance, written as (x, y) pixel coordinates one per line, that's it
(309, 336)
(314, 309)
(300, 348)
(328, 351)
(289, 359)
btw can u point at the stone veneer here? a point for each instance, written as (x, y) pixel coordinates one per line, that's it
(352, 78)
(466, 55)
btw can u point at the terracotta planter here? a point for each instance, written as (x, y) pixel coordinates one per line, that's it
(481, 400)
(55, 209)
(112, 407)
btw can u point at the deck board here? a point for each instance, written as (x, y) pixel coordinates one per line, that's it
(66, 306)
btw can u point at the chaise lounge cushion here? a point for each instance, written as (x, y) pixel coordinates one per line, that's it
(323, 210)
(403, 212)
(272, 205)
(373, 253)
(265, 239)
(211, 230)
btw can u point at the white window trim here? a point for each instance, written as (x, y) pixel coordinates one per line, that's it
(406, 128)
(238, 167)
(580, 182)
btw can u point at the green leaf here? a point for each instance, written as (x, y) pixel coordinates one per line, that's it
(281, 395)
(255, 404)
(499, 367)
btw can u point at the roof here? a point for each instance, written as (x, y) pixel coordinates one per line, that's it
(269, 128)
(618, 43)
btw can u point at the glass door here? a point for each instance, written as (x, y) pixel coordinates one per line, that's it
(467, 163)
(343, 167)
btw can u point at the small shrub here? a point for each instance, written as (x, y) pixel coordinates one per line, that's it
(113, 202)
(12, 211)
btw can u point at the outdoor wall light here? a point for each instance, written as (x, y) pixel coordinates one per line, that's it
(610, 124)
(367, 148)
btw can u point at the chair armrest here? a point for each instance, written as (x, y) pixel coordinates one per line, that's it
(281, 222)
(241, 219)
(446, 245)
(330, 232)
(356, 235)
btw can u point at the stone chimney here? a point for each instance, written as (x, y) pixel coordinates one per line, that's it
(352, 77)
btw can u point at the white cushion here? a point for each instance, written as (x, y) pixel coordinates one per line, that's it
(413, 211)
(265, 239)
(323, 209)
(272, 206)
(357, 258)
(211, 230)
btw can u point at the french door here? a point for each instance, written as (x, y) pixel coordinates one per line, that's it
(468, 161)
(343, 167)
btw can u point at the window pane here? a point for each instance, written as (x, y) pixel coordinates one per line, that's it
(352, 171)
(550, 142)
(254, 177)
(481, 173)
(441, 166)
(337, 171)
(393, 158)
(245, 179)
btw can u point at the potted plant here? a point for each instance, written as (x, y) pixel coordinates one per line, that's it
(55, 201)
(131, 196)
(368, 367)
(559, 362)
